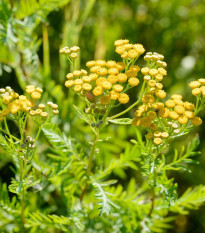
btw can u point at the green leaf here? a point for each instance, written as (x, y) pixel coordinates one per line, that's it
(82, 115)
(121, 121)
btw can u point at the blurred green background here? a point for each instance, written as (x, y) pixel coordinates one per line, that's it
(32, 32)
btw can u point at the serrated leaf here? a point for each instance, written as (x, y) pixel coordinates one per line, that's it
(82, 115)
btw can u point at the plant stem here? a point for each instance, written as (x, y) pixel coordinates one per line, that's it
(153, 189)
(90, 162)
(132, 106)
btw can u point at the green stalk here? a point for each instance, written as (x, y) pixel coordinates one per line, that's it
(132, 106)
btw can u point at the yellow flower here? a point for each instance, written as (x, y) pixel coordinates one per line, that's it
(194, 84)
(74, 49)
(78, 81)
(189, 114)
(157, 141)
(107, 85)
(87, 86)
(178, 97)
(138, 113)
(160, 94)
(162, 71)
(178, 102)
(77, 88)
(159, 77)
(35, 95)
(183, 120)
(42, 106)
(121, 42)
(102, 71)
(98, 90)
(132, 53)
(29, 90)
(202, 81)
(165, 135)
(196, 121)
(170, 103)
(136, 121)
(179, 109)
(124, 55)
(157, 134)
(84, 72)
(123, 98)
(77, 73)
(145, 70)
(111, 64)
(122, 77)
(13, 107)
(100, 63)
(112, 78)
(196, 91)
(148, 99)
(105, 100)
(163, 112)
(159, 86)
(94, 69)
(146, 121)
(93, 76)
(189, 106)
(173, 115)
(153, 126)
(158, 105)
(113, 71)
(40, 90)
(133, 82)
(73, 55)
(120, 49)
(69, 83)
(5, 112)
(147, 77)
(120, 66)
(100, 81)
(32, 113)
(152, 83)
(113, 95)
(86, 79)
(152, 114)
(38, 111)
(118, 88)
(6, 99)
(153, 72)
(69, 76)
(140, 49)
(90, 64)
(44, 114)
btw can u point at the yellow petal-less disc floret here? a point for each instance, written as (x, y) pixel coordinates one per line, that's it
(98, 90)
(86, 79)
(162, 71)
(202, 81)
(165, 135)
(77, 88)
(69, 83)
(133, 82)
(118, 87)
(122, 77)
(35, 95)
(196, 121)
(179, 109)
(114, 95)
(113, 71)
(123, 98)
(194, 84)
(173, 115)
(153, 72)
(107, 85)
(160, 94)
(183, 120)
(112, 78)
(145, 70)
(157, 141)
(87, 87)
(196, 91)
(170, 103)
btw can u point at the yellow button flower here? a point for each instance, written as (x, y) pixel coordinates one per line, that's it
(35, 95)
(98, 90)
(133, 82)
(194, 84)
(112, 78)
(123, 98)
(118, 87)
(157, 141)
(196, 121)
(122, 77)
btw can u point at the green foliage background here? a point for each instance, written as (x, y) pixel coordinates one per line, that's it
(32, 32)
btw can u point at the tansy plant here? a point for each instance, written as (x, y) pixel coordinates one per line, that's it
(78, 178)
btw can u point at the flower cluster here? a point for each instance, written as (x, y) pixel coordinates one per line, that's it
(198, 87)
(127, 50)
(13, 103)
(70, 52)
(107, 81)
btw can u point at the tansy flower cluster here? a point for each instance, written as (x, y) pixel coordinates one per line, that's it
(198, 87)
(106, 81)
(71, 53)
(13, 103)
(157, 136)
(127, 50)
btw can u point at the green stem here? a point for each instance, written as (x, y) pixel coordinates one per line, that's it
(153, 190)
(9, 135)
(132, 106)
(46, 56)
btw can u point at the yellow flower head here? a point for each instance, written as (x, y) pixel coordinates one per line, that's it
(170, 103)
(77, 73)
(145, 70)
(189, 114)
(120, 66)
(148, 99)
(118, 87)
(157, 141)
(69, 76)
(69, 83)
(173, 115)
(163, 112)
(178, 97)
(77, 88)
(90, 64)
(146, 121)
(87, 86)
(183, 120)
(196, 121)
(112, 78)
(98, 90)
(113, 71)
(94, 69)
(132, 53)
(202, 81)
(162, 71)
(159, 77)
(179, 109)
(111, 64)
(133, 82)
(139, 48)
(120, 49)
(86, 79)
(100, 81)
(78, 81)
(100, 63)
(122, 77)
(35, 95)
(157, 134)
(136, 121)
(93, 76)
(153, 72)
(189, 106)
(152, 114)
(194, 84)
(121, 42)
(107, 85)
(152, 83)
(114, 95)
(165, 135)
(160, 94)
(44, 114)
(104, 100)
(123, 98)
(196, 91)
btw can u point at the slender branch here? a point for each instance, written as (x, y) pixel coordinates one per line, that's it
(132, 106)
